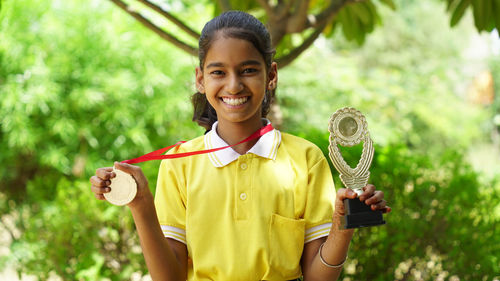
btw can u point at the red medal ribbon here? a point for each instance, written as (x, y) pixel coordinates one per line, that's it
(158, 154)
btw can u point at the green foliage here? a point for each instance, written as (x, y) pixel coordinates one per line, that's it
(79, 93)
(406, 79)
(485, 13)
(441, 218)
(357, 20)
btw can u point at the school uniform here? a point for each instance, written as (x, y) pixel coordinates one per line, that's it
(246, 217)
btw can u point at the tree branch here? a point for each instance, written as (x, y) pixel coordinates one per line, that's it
(288, 58)
(165, 35)
(172, 18)
(298, 20)
(225, 5)
(267, 7)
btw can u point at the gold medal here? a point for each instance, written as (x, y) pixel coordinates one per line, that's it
(123, 189)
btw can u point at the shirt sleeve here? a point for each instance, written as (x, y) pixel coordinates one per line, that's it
(320, 201)
(170, 201)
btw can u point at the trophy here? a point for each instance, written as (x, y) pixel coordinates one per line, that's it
(348, 127)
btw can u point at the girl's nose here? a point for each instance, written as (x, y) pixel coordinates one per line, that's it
(234, 85)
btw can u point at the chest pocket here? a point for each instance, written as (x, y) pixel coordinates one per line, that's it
(286, 243)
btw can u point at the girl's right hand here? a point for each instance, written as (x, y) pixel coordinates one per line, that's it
(102, 179)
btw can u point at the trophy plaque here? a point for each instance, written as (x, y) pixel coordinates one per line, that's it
(348, 127)
(123, 189)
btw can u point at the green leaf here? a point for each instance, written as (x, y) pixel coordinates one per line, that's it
(452, 4)
(478, 11)
(496, 12)
(345, 18)
(390, 4)
(330, 29)
(362, 12)
(459, 12)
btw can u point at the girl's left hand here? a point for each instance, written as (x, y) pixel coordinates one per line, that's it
(372, 197)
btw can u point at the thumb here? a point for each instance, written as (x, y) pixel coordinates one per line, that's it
(343, 193)
(132, 170)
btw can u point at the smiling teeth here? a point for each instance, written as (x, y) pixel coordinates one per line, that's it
(235, 101)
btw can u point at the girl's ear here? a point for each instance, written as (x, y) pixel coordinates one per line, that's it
(199, 80)
(272, 78)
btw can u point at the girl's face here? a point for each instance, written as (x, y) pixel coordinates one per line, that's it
(234, 79)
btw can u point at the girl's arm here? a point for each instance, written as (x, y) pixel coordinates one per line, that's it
(166, 258)
(334, 250)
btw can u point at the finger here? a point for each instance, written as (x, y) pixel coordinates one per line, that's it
(105, 173)
(367, 192)
(99, 197)
(94, 180)
(375, 198)
(100, 190)
(386, 210)
(379, 206)
(127, 168)
(134, 171)
(344, 193)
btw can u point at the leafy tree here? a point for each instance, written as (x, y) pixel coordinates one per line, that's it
(295, 24)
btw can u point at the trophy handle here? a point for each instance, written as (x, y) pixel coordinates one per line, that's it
(366, 157)
(355, 178)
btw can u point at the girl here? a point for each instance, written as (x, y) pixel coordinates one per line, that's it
(261, 210)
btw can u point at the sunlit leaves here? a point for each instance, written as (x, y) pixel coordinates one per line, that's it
(485, 12)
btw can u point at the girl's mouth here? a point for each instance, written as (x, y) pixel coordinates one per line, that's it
(235, 101)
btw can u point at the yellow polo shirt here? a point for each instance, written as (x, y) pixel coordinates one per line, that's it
(246, 217)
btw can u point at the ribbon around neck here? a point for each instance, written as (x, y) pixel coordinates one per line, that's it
(158, 154)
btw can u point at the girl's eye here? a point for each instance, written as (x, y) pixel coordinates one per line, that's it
(249, 70)
(217, 72)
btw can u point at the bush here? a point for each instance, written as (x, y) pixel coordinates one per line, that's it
(444, 221)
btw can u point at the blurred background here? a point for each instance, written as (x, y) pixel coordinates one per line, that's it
(86, 83)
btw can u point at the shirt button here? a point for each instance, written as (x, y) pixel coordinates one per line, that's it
(243, 166)
(243, 196)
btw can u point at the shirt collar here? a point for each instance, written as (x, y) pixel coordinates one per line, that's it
(266, 146)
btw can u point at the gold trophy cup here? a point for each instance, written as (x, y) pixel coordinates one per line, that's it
(348, 127)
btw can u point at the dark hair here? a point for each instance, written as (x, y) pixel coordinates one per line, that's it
(233, 24)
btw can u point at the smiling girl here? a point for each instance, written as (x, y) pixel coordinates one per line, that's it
(265, 209)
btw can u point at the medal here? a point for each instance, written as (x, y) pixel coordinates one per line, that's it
(123, 189)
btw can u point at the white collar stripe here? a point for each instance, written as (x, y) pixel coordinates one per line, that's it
(211, 155)
(215, 160)
(271, 152)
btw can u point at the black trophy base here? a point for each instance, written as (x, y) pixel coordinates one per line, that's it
(358, 214)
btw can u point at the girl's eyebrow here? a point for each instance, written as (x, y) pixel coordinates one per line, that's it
(245, 63)
(250, 62)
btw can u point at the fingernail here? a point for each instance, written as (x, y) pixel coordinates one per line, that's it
(108, 189)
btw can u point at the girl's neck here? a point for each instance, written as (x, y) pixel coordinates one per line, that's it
(233, 133)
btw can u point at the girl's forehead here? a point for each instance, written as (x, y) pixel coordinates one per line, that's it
(225, 48)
